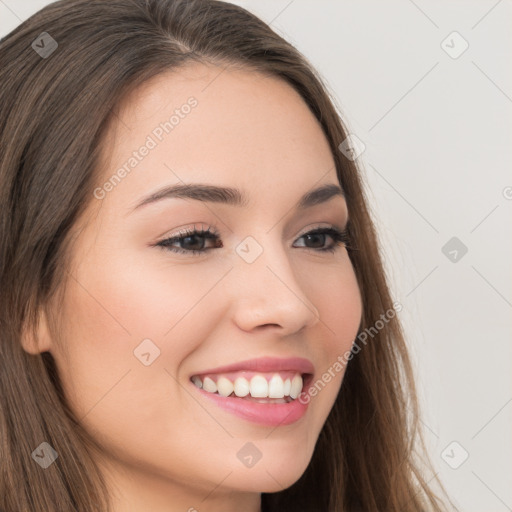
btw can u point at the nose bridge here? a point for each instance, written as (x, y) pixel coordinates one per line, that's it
(267, 289)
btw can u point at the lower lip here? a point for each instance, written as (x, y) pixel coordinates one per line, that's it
(271, 414)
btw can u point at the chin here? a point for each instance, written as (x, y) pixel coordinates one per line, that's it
(272, 474)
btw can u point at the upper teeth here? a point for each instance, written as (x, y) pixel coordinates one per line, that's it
(258, 386)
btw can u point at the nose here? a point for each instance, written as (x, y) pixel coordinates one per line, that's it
(268, 292)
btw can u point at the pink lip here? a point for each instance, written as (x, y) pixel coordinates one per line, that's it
(270, 414)
(266, 364)
(264, 414)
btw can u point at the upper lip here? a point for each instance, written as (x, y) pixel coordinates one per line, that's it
(266, 364)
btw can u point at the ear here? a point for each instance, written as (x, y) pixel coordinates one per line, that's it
(35, 341)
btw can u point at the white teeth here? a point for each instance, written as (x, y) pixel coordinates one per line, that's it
(209, 385)
(241, 387)
(259, 387)
(287, 387)
(224, 386)
(276, 387)
(296, 386)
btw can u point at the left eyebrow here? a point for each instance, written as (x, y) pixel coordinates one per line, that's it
(233, 196)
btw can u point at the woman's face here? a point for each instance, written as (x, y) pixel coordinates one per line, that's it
(144, 316)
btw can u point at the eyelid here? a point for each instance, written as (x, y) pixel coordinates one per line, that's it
(210, 231)
(326, 225)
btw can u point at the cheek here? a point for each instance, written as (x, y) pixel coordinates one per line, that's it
(336, 294)
(339, 304)
(107, 314)
(111, 310)
(124, 303)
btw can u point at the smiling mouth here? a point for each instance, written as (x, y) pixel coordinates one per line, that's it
(261, 387)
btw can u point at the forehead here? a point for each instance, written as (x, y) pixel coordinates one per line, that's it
(204, 123)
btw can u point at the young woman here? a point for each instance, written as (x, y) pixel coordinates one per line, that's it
(194, 314)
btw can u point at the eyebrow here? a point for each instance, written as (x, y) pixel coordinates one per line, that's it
(233, 196)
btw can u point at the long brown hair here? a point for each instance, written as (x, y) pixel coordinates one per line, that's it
(56, 101)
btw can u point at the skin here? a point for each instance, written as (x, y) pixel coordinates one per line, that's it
(166, 448)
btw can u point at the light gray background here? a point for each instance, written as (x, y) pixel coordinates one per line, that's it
(437, 164)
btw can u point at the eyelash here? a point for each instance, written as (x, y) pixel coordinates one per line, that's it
(340, 238)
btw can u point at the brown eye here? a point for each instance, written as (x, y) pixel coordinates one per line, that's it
(194, 241)
(191, 241)
(318, 236)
